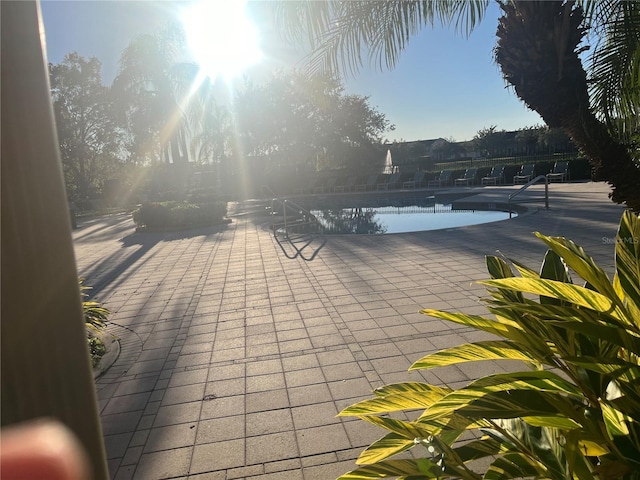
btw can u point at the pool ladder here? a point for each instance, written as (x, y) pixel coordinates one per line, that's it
(296, 219)
(527, 185)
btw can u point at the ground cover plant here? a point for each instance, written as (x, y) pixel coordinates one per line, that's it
(95, 316)
(175, 214)
(573, 413)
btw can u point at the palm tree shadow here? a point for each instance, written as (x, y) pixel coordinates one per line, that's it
(136, 250)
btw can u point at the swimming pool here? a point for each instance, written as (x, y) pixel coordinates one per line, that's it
(384, 214)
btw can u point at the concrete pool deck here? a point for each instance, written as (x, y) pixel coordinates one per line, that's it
(237, 353)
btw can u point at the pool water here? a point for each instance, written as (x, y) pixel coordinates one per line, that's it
(403, 219)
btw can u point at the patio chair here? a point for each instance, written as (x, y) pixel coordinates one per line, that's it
(307, 187)
(417, 180)
(326, 186)
(371, 182)
(346, 186)
(560, 172)
(495, 176)
(390, 181)
(443, 179)
(469, 176)
(525, 174)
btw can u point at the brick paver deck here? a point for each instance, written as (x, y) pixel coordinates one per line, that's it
(237, 354)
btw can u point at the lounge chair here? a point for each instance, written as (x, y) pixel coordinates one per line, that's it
(307, 187)
(495, 176)
(416, 181)
(469, 176)
(371, 182)
(560, 172)
(346, 186)
(525, 174)
(390, 182)
(326, 186)
(443, 179)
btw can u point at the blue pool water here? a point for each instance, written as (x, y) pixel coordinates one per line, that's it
(384, 215)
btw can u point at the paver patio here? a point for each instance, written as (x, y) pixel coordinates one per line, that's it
(235, 358)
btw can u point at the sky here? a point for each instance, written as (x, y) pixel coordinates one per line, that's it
(444, 86)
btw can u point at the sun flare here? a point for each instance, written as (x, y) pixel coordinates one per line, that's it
(221, 38)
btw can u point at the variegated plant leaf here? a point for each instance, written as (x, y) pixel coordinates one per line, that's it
(515, 465)
(581, 263)
(574, 294)
(392, 403)
(481, 404)
(409, 430)
(498, 268)
(628, 260)
(390, 444)
(419, 468)
(553, 268)
(506, 329)
(616, 335)
(473, 352)
(409, 387)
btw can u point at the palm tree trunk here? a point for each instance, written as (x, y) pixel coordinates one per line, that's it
(538, 53)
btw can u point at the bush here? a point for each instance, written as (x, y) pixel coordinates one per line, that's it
(172, 215)
(575, 414)
(94, 317)
(96, 350)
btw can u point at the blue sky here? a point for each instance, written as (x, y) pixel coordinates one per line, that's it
(445, 85)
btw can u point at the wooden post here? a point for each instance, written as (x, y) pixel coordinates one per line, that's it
(45, 361)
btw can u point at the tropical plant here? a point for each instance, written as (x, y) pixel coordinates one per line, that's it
(573, 414)
(95, 316)
(538, 50)
(94, 313)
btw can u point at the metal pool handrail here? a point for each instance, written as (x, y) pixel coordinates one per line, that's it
(528, 184)
(308, 217)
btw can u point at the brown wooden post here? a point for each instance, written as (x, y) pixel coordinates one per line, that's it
(45, 362)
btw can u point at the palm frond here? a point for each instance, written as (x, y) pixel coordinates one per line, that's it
(614, 64)
(346, 35)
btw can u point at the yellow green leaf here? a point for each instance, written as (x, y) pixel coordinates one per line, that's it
(382, 449)
(471, 352)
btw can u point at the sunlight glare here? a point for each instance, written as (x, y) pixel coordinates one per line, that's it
(222, 39)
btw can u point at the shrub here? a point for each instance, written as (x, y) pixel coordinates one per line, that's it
(94, 314)
(94, 317)
(171, 215)
(96, 350)
(573, 415)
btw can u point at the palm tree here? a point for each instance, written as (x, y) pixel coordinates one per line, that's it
(538, 52)
(156, 87)
(214, 130)
(547, 74)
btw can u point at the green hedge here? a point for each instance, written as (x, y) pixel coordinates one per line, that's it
(177, 215)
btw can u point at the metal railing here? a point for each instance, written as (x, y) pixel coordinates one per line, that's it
(267, 189)
(528, 184)
(295, 217)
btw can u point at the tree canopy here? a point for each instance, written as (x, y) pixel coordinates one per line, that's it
(302, 121)
(89, 138)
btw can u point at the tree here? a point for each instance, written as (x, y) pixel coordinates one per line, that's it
(528, 139)
(493, 142)
(152, 87)
(211, 142)
(538, 50)
(90, 142)
(299, 121)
